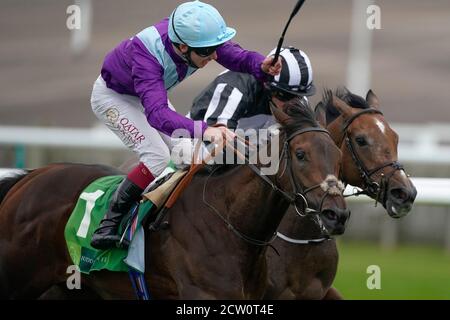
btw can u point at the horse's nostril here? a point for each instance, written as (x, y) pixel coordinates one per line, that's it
(330, 214)
(399, 194)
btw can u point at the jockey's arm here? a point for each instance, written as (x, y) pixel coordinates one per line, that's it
(148, 81)
(233, 57)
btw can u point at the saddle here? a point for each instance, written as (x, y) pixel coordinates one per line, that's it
(166, 193)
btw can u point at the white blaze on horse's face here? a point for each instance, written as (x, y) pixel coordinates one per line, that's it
(403, 174)
(380, 125)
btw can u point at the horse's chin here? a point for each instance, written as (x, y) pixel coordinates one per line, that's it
(337, 231)
(333, 228)
(397, 211)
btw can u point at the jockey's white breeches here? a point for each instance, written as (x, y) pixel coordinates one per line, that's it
(124, 115)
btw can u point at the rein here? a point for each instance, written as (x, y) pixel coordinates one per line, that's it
(298, 191)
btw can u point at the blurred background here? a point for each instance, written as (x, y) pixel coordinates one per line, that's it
(47, 73)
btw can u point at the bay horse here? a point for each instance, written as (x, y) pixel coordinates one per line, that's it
(369, 161)
(219, 229)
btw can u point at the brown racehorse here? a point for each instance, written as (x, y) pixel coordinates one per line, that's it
(219, 228)
(369, 148)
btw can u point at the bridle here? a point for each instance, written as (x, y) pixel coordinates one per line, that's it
(376, 190)
(298, 192)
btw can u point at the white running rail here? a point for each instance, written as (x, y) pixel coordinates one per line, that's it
(425, 143)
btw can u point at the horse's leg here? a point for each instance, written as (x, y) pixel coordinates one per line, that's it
(333, 294)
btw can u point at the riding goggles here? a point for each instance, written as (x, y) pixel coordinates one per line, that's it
(205, 51)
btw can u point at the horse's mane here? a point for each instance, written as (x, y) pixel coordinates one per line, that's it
(344, 94)
(8, 182)
(301, 116)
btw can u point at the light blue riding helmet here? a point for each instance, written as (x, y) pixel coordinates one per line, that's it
(198, 25)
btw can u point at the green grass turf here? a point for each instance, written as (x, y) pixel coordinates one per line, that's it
(407, 272)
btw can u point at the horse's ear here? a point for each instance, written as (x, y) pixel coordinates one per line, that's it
(281, 117)
(320, 114)
(344, 109)
(372, 100)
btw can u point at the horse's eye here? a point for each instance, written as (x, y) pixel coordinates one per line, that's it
(300, 154)
(361, 141)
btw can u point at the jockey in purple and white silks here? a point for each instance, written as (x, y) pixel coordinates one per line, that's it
(130, 95)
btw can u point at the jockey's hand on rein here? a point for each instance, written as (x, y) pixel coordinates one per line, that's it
(219, 135)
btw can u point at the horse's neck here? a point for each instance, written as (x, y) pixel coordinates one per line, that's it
(254, 208)
(300, 228)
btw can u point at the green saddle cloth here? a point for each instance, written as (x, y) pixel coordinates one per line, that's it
(89, 211)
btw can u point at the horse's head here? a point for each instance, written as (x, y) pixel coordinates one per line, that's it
(309, 166)
(369, 148)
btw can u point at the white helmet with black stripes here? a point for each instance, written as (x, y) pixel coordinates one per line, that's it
(296, 76)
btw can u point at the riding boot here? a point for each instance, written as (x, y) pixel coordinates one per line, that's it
(123, 199)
